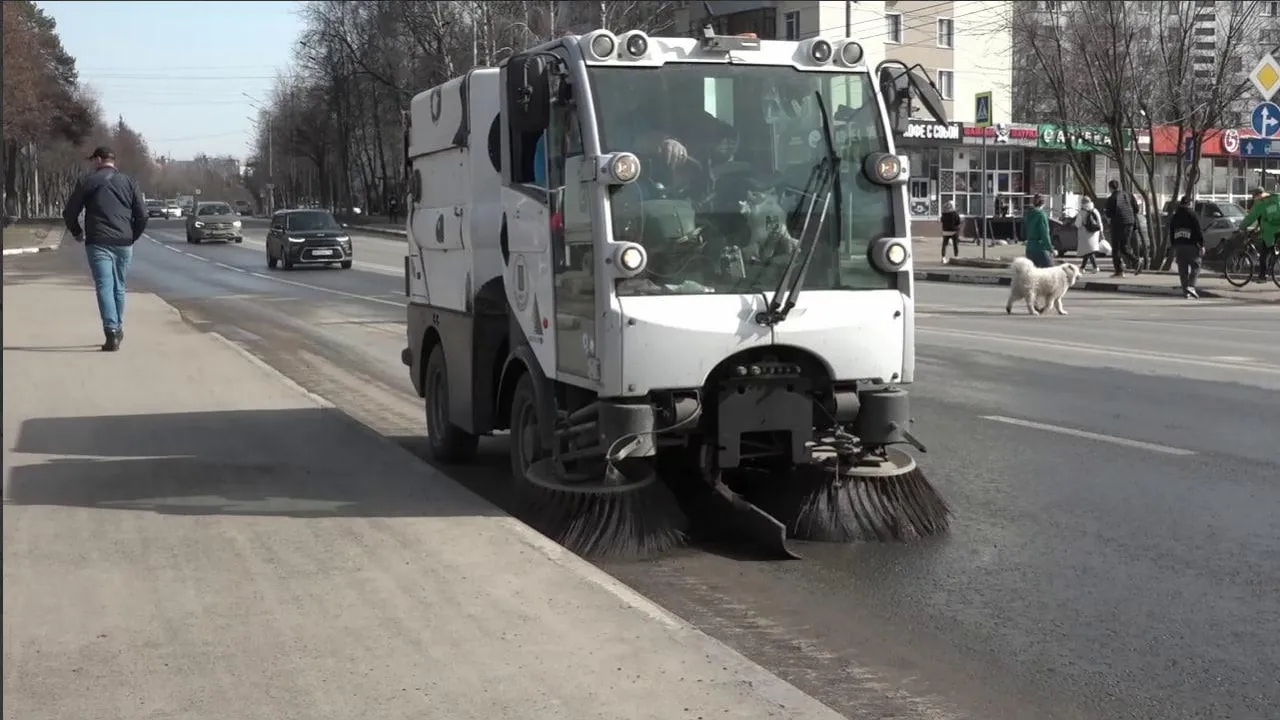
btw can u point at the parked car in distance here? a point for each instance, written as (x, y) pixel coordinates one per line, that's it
(307, 237)
(213, 221)
(155, 209)
(244, 207)
(1218, 220)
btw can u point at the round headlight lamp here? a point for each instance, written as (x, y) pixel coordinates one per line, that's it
(630, 259)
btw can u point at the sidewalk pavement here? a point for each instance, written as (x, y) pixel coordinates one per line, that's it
(32, 238)
(972, 269)
(187, 534)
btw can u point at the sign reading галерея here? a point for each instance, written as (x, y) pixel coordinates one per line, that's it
(1083, 137)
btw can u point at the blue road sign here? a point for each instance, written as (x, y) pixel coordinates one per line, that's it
(1259, 147)
(1266, 119)
(982, 109)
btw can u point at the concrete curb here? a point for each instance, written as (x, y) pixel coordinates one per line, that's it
(983, 279)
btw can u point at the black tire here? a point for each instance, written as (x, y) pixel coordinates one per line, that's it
(190, 239)
(1239, 268)
(524, 409)
(346, 264)
(239, 240)
(271, 259)
(449, 443)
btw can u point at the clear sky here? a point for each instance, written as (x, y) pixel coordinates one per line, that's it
(176, 71)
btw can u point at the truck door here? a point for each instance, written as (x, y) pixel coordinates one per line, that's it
(571, 242)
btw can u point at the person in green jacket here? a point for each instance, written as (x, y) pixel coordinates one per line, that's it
(1266, 213)
(1035, 233)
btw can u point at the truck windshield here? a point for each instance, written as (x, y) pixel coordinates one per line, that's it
(723, 220)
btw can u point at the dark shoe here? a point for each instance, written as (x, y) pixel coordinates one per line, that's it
(113, 342)
(119, 337)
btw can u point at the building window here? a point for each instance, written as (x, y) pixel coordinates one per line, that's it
(947, 84)
(961, 180)
(791, 25)
(893, 27)
(763, 22)
(946, 33)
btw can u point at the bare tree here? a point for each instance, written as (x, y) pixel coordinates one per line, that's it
(1127, 67)
(333, 132)
(50, 119)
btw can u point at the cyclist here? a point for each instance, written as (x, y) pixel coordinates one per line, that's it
(1266, 213)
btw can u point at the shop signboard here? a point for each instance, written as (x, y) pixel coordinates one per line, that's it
(1002, 134)
(1083, 137)
(926, 131)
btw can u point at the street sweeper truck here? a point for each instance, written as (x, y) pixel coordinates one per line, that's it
(678, 271)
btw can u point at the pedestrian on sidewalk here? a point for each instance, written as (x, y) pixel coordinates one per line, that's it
(1265, 212)
(393, 209)
(1121, 214)
(1142, 246)
(115, 216)
(1187, 239)
(1035, 231)
(1088, 235)
(951, 222)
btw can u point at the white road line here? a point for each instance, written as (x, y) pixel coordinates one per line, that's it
(328, 290)
(1042, 343)
(353, 296)
(1126, 442)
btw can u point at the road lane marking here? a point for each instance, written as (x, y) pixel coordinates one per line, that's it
(353, 296)
(1125, 442)
(328, 290)
(1043, 343)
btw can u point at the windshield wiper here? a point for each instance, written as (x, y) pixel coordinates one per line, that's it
(823, 185)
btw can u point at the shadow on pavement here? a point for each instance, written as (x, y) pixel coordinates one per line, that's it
(304, 463)
(62, 348)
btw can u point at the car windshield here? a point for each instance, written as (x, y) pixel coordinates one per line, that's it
(215, 209)
(1230, 210)
(153, 203)
(725, 222)
(310, 221)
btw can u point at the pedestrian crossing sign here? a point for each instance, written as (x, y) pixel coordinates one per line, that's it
(982, 110)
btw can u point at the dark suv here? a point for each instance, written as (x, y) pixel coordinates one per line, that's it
(307, 237)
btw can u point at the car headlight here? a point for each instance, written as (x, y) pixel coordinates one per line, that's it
(235, 223)
(345, 239)
(294, 239)
(199, 224)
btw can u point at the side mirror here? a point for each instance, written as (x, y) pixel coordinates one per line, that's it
(898, 83)
(528, 80)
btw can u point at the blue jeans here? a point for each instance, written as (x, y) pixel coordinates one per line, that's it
(109, 265)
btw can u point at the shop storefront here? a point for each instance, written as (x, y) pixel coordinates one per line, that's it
(929, 146)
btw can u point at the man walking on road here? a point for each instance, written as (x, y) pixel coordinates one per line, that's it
(1187, 239)
(115, 216)
(1122, 214)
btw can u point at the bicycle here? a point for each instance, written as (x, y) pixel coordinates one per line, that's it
(1242, 263)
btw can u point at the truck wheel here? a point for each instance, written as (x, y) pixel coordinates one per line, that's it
(526, 443)
(449, 443)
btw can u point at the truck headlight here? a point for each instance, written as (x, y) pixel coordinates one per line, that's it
(624, 167)
(885, 169)
(236, 223)
(890, 255)
(630, 259)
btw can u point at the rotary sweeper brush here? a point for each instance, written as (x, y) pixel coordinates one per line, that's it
(678, 270)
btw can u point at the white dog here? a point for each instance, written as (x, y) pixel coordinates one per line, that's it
(1040, 287)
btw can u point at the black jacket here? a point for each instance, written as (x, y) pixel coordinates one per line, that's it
(1184, 227)
(1120, 208)
(950, 221)
(114, 210)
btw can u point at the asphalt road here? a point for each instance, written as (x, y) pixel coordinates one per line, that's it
(1113, 473)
